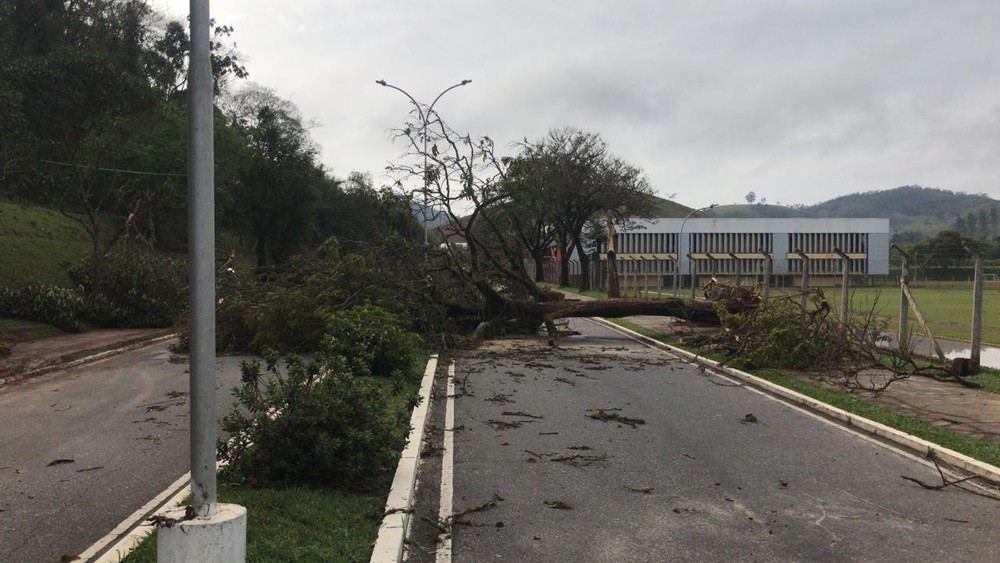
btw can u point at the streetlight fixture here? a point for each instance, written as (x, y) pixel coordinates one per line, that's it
(679, 236)
(425, 121)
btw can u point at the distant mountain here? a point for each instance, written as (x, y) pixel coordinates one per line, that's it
(914, 212)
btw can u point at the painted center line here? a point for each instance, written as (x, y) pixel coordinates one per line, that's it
(447, 469)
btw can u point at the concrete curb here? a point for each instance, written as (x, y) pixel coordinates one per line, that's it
(958, 460)
(399, 506)
(128, 346)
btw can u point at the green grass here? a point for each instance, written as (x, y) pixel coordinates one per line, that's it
(298, 525)
(567, 289)
(983, 451)
(37, 244)
(946, 307)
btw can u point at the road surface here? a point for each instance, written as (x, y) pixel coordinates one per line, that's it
(82, 449)
(605, 450)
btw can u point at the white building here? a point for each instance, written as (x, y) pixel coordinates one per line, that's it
(750, 247)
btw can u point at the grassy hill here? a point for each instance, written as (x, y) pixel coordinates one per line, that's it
(914, 212)
(669, 208)
(37, 244)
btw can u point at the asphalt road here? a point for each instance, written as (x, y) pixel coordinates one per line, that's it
(82, 449)
(700, 469)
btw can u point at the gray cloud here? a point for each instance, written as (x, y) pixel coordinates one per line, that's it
(796, 100)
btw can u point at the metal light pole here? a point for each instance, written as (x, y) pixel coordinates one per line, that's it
(201, 222)
(425, 121)
(680, 234)
(207, 530)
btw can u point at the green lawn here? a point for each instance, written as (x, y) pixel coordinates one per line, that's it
(948, 310)
(946, 307)
(298, 525)
(36, 245)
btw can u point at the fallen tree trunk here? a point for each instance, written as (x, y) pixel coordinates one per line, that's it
(526, 316)
(689, 309)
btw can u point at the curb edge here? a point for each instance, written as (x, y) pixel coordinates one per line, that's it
(959, 460)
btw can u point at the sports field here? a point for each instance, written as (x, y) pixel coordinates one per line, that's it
(948, 310)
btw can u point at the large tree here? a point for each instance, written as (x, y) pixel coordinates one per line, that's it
(578, 181)
(276, 192)
(358, 214)
(94, 121)
(478, 273)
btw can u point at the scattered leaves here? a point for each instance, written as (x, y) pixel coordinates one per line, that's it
(643, 490)
(521, 413)
(605, 416)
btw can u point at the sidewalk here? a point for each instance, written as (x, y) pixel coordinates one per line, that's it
(36, 357)
(970, 412)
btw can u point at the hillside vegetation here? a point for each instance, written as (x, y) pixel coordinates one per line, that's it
(38, 244)
(914, 212)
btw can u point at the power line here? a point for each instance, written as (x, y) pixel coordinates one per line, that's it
(116, 170)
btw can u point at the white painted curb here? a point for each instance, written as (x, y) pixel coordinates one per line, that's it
(398, 507)
(914, 443)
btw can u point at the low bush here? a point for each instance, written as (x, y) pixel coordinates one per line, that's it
(315, 425)
(43, 303)
(287, 310)
(286, 320)
(373, 341)
(132, 287)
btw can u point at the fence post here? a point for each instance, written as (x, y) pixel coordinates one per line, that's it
(691, 268)
(658, 266)
(768, 266)
(977, 307)
(805, 277)
(845, 266)
(904, 302)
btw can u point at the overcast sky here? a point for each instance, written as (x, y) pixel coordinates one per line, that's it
(798, 101)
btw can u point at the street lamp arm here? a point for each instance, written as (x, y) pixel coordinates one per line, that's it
(407, 94)
(445, 91)
(425, 122)
(680, 235)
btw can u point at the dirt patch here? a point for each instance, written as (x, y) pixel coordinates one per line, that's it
(38, 356)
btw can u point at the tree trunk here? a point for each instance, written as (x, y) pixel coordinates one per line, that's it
(689, 309)
(261, 251)
(584, 268)
(614, 290)
(564, 267)
(538, 256)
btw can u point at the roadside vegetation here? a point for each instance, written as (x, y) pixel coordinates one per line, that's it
(93, 224)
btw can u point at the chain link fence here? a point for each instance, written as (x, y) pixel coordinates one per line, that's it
(945, 297)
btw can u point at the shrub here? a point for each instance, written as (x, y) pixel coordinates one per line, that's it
(232, 332)
(57, 306)
(131, 286)
(303, 429)
(373, 341)
(287, 320)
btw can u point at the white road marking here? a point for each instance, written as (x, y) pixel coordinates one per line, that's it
(130, 532)
(447, 469)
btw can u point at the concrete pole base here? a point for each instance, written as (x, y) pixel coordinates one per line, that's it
(221, 538)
